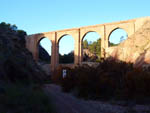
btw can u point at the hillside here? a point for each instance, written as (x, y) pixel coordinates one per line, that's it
(21, 78)
(135, 49)
(16, 62)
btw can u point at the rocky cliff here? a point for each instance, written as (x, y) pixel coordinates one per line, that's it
(136, 49)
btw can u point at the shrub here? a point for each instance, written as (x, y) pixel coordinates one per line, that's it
(84, 77)
(57, 74)
(138, 83)
(68, 83)
(110, 79)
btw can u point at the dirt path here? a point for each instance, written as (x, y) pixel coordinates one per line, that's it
(66, 103)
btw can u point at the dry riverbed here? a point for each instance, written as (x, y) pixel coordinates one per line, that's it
(66, 103)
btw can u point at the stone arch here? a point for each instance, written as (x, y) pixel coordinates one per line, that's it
(38, 43)
(89, 32)
(127, 26)
(82, 39)
(115, 29)
(39, 39)
(65, 36)
(75, 35)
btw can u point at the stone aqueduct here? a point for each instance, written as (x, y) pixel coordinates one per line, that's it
(104, 30)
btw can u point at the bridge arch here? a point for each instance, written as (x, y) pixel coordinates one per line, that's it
(41, 38)
(64, 35)
(47, 47)
(91, 31)
(90, 37)
(116, 36)
(66, 47)
(75, 35)
(128, 26)
(61, 34)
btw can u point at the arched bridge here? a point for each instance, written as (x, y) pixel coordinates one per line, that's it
(104, 30)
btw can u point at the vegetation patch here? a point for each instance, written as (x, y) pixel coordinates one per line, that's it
(18, 98)
(21, 78)
(110, 80)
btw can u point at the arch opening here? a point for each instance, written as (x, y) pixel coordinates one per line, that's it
(44, 51)
(66, 49)
(91, 47)
(117, 36)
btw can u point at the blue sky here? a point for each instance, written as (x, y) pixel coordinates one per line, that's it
(36, 16)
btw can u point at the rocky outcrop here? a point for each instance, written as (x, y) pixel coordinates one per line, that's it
(88, 53)
(89, 56)
(136, 49)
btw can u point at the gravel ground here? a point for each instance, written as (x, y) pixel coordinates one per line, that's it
(66, 103)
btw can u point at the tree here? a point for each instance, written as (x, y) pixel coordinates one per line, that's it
(85, 44)
(17, 35)
(21, 34)
(66, 58)
(98, 48)
(112, 44)
(8, 27)
(122, 39)
(94, 48)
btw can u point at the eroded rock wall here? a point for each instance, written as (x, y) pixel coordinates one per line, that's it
(135, 49)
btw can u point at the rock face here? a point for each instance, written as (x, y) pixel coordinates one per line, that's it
(88, 56)
(136, 49)
(16, 62)
(88, 53)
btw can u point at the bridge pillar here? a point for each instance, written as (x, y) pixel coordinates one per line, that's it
(53, 56)
(76, 36)
(77, 52)
(81, 52)
(57, 55)
(31, 45)
(103, 46)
